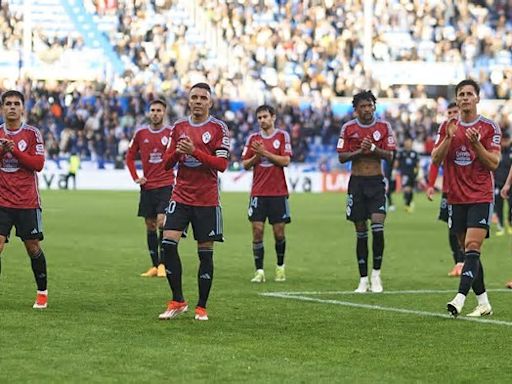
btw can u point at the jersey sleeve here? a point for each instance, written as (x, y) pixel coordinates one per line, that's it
(223, 141)
(37, 147)
(491, 141)
(342, 140)
(247, 152)
(389, 142)
(441, 134)
(286, 149)
(133, 147)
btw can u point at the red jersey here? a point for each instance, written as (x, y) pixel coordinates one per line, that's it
(197, 184)
(18, 183)
(151, 145)
(268, 179)
(468, 181)
(353, 132)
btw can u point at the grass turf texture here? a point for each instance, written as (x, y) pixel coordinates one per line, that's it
(101, 324)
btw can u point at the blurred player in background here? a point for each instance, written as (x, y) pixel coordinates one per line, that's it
(21, 157)
(406, 163)
(200, 145)
(469, 149)
(365, 141)
(452, 112)
(505, 194)
(268, 152)
(150, 143)
(500, 177)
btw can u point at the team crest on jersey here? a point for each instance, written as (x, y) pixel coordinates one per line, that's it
(206, 137)
(376, 135)
(165, 141)
(276, 144)
(22, 145)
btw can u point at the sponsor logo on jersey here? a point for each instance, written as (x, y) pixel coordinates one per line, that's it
(164, 140)
(22, 145)
(225, 141)
(155, 157)
(276, 144)
(39, 149)
(463, 157)
(376, 135)
(206, 137)
(9, 163)
(191, 162)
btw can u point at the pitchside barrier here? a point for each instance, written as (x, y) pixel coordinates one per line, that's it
(299, 178)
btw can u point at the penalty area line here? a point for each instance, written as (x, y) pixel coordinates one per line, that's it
(382, 308)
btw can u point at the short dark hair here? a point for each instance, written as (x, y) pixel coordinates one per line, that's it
(364, 95)
(202, 86)
(266, 107)
(12, 93)
(471, 82)
(157, 101)
(451, 105)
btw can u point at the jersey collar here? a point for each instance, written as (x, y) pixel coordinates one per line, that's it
(200, 124)
(471, 122)
(9, 132)
(366, 125)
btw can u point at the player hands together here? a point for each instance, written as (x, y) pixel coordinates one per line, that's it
(259, 149)
(451, 128)
(185, 146)
(473, 135)
(6, 145)
(367, 146)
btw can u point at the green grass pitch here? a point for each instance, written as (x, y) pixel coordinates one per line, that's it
(101, 325)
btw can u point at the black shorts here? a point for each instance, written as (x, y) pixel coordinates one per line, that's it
(28, 223)
(276, 208)
(154, 201)
(366, 196)
(408, 180)
(206, 221)
(443, 208)
(464, 216)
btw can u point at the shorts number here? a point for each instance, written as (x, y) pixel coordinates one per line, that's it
(171, 207)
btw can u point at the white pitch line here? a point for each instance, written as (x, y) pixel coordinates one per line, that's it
(386, 309)
(406, 292)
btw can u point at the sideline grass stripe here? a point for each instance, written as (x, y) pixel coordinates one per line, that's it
(386, 309)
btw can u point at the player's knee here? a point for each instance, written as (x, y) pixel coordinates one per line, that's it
(33, 250)
(472, 245)
(257, 234)
(151, 225)
(361, 226)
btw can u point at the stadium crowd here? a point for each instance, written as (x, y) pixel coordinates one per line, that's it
(302, 57)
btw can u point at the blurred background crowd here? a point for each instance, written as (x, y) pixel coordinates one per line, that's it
(306, 57)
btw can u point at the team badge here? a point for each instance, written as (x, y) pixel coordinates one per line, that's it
(276, 144)
(206, 137)
(165, 141)
(22, 145)
(376, 135)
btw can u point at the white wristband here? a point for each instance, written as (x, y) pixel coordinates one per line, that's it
(373, 147)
